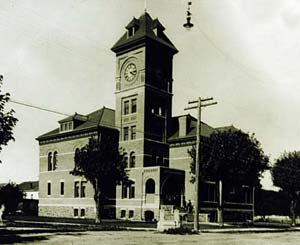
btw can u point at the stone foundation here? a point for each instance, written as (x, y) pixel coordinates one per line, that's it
(67, 212)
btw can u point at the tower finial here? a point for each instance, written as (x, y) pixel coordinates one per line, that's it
(145, 6)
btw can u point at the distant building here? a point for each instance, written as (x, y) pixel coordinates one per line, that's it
(30, 189)
(29, 206)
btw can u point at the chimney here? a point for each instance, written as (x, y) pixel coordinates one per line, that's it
(182, 126)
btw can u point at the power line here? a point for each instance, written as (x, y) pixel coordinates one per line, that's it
(38, 107)
(69, 115)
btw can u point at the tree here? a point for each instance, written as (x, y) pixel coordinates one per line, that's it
(286, 175)
(231, 157)
(11, 195)
(103, 166)
(7, 119)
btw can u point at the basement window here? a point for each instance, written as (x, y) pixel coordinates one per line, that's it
(82, 213)
(75, 212)
(123, 213)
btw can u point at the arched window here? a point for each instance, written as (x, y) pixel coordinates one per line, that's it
(126, 160)
(55, 160)
(150, 186)
(49, 161)
(132, 160)
(132, 190)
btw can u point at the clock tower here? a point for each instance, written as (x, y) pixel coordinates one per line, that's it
(144, 64)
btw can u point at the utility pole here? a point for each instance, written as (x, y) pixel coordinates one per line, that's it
(199, 105)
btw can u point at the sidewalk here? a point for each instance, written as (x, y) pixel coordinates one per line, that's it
(249, 230)
(42, 227)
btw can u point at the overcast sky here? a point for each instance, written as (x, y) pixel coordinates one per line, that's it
(245, 53)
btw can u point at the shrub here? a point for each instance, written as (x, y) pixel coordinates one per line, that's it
(180, 231)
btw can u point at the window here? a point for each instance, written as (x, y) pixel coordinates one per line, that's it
(130, 214)
(82, 188)
(62, 188)
(125, 136)
(82, 212)
(133, 106)
(211, 192)
(126, 107)
(54, 160)
(49, 161)
(160, 111)
(49, 189)
(133, 132)
(132, 160)
(132, 191)
(150, 186)
(124, 191)
(76, 189)
(123, 213)
(158, 160)
(75, 212)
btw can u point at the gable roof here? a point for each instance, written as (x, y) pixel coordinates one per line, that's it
(104, 117)
(144, 26)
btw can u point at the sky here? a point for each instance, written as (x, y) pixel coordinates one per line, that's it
(244, 53)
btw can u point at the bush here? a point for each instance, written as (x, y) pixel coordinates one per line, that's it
(180, 231)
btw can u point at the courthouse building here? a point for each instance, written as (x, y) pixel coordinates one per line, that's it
(156, 143)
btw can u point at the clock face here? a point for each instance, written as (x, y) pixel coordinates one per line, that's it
(130, 72)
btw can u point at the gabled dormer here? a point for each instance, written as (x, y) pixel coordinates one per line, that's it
(132, 27)
(71, 122)
(157, 28)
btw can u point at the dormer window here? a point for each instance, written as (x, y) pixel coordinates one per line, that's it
(157, 28)
(132, 27)
(66, 126)
(130, 32)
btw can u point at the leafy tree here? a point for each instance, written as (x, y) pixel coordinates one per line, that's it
(286, 175)
(11, 195)
(7, 120)
(103, 166)
(232, 157)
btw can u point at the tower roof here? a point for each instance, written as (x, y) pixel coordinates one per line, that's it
(143, 29)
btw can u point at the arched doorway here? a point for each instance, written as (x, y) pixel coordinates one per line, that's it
(150, 186)
(149, 215)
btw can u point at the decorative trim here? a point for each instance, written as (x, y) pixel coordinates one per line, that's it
(66, 205)
(56, 171)
(59, 138)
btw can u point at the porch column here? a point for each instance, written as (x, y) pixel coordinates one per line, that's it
(220, 203)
